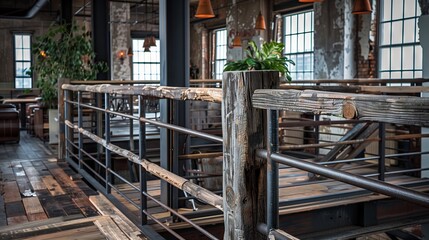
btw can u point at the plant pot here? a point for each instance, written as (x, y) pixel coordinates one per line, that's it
(53, 126)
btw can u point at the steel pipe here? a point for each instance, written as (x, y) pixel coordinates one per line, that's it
(356, 180)
(160, 124)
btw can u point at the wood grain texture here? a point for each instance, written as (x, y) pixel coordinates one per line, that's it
(32, 205)
(61, 114)
(52, 185)
(106, 208)
(11, 192)
(177, 93)
(244, 176)
(110, 230)
(392, 109)
(359, 89)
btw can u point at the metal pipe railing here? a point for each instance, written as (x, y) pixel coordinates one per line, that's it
(356, 180)
(107, 174)
(159, 124)
(277, 234)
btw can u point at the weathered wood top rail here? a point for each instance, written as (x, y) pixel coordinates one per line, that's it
(95, 82)
(359, 89)
(358, 81)
(176, 93)
(113, 82)
(391, 109)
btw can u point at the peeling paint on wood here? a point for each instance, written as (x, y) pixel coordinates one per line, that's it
(177, 93)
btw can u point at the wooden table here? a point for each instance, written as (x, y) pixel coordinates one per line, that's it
(23, 112)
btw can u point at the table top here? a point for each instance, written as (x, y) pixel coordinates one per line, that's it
(20, 100)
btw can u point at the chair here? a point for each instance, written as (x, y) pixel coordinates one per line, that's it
(30, 118)
(9, 123)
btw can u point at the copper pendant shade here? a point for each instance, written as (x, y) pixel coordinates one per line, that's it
(146, 43)
(310, 1)
(260, 22)
(152, 41)
(236, 42)
(362, 7)
(204, 9)
(130, 52)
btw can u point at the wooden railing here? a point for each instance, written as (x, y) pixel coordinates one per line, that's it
(250, 201)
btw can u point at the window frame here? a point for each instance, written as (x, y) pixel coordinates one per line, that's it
(416, 72)
(295, 54)
(15, 61)
(216, 60)
(141, 50)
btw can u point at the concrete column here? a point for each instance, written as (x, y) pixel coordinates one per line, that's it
(424, 42)
(241, 19)
(120, 40)
(334, 40)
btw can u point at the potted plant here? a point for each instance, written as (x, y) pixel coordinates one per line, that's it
(64, 51)
(269, 57)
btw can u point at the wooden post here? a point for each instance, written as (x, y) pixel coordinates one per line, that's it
(61, 113)
(245, 177)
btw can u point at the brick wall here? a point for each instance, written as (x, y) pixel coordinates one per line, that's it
(367, 61)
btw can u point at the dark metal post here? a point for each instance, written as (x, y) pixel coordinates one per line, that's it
(67, 11)
(382, 150)
(79, 123)
(272, 171)
(174, 36)
(131, 140)
(142, 154)
(176, 146)
(67, 135)
(316, 133)
(108, 160)
(101, 34)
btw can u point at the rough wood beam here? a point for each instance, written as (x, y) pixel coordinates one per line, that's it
(244, 174)
(392, 109)
(176, 93)
(359, 89)
(360, 81)
(177, 181)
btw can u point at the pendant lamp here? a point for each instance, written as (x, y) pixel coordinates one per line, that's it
(362, 7)
(146, 43)
(236, 42)
(130, 52)
(204, 9)
(152, 41)
(260, 22)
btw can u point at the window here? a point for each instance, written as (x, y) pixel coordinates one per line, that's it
(298, 32)
(220, 40)
(146, 65)
(23, 78)
(400, 53)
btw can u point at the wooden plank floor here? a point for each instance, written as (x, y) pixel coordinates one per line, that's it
(294, 185)
(39, 198)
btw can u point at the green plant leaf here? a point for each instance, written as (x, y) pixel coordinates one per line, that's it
(269, 57)
(64, 45)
